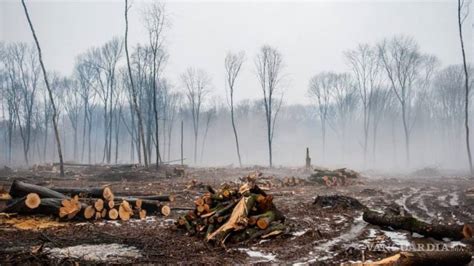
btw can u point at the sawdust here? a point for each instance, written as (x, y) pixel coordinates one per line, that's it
(30, 223)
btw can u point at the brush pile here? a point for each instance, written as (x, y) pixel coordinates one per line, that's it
(331, 178)
(234, 214)
(82, 203)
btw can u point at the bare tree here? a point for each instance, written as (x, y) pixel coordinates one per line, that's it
(461, 19)
(380, 98)
(320, 90)
(345, 103)
(132, 87)
(233, 64)
(56, 131)
(366, 69)
(401, 60)
(269, 65)
(86, 77)
(209, 116)
(155, 22)
(196, 83)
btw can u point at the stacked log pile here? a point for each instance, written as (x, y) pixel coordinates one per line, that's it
(331, 178)
(82, 203)
(234, 214)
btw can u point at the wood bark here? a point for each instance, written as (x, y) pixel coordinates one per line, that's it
(426, 258)
(46, 81)
(134, 96)
(437, 231)
(466, 87)
(20, 189)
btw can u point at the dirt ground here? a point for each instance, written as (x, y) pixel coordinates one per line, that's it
(318, 235)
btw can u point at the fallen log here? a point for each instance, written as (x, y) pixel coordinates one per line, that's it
(437, 231)
(97, 192)
(20, 189)
(46, 206)
(428, 258)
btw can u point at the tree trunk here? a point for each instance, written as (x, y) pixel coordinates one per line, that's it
(466, 86)
(135, 103)
(20, 189)
(56, 131)
(426, 258)
(182, 139)
(234, 127)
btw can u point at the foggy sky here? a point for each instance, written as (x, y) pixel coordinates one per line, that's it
(310, 35)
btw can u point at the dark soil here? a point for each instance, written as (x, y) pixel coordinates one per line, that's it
(322, 233)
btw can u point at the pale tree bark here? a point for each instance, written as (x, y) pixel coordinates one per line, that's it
(269, 64)
(461, 18)
(55, 125)
(401, 60)
(233, 64)
(196, 83)
(134, 94)
(366, 69)
(320, 90)
(155, 21)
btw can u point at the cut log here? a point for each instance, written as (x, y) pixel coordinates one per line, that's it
(111, 204)
(20, 189)
(151, 206)
(437, 231)
(70, 207)
(99, 205)
(426, 258)
(89, 212)
(107, 194)
(104, 213)
(113, 214)
(142, 214)
(47, 206)
(138, 203)
(265, 219)
(125, 211)
(165, 210)
(32, 200)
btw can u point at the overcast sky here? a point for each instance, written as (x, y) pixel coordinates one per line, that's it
(311, 35)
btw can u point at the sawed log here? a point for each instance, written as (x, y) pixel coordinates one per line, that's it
(437, 231)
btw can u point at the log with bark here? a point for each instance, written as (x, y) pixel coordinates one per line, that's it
(98, 192)
(20, 189)
(437, 231)
(426, 258)
(94, 203)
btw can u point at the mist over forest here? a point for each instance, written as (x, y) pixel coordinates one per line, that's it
(397, 107)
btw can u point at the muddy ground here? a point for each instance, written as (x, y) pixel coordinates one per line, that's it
(318, 235)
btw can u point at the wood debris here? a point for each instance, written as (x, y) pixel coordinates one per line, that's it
(332, 178)
(234, 213)
(83, 203)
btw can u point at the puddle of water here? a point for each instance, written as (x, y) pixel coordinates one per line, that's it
(96, 253)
